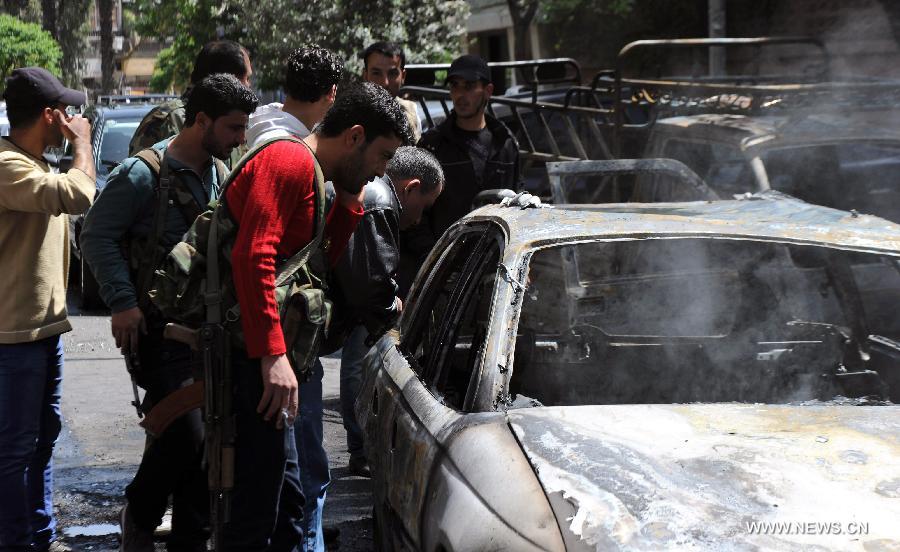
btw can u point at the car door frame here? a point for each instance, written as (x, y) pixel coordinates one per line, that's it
(405, 421)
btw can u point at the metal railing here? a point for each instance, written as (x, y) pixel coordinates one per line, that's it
(546, 131)
(533, 73)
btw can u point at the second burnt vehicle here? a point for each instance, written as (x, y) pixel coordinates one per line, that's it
(802, 132)
(842, 161)
(642, 377)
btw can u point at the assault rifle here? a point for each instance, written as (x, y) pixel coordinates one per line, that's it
(220, 425)
(133, 365)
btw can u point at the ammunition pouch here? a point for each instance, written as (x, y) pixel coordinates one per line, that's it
(305, 319)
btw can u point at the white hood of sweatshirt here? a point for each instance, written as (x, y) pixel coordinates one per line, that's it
(269, 121)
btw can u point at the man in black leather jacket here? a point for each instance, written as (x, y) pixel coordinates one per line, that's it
(366, 273)
(476, 151)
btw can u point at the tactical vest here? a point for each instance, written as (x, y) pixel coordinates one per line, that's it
(146, 253)
(195, 284)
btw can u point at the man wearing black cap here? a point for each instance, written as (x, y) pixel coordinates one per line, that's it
(34, 256)
(476, 151)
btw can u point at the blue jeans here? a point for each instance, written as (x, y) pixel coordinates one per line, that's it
(30, 388)
(267, 501)
(314, 474)
(352, 356)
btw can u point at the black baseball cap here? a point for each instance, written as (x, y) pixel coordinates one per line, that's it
(470, 68)
(37, 86)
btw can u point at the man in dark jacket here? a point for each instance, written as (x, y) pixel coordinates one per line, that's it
(366, 272)
(476, 151)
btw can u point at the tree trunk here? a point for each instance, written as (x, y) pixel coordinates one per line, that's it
(107, 56)
(48, 15)
(15, 8)
(522, 13)
(892, 10)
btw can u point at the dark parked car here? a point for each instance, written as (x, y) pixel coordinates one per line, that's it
(112, 126)
(642, 377)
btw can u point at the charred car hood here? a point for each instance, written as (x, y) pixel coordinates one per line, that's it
(711, 476)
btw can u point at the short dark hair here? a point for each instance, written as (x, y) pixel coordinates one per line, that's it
(369, 105)
(24, 115)
(412, 162)
(218, 95)
(389, 49)
(220, 56)
(311, 73)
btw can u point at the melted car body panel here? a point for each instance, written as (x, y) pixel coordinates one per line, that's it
(648, 477)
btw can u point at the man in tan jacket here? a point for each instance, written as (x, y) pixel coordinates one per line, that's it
(34, 262)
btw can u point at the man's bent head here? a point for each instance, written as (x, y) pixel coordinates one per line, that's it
(368, 126)
(418, 180)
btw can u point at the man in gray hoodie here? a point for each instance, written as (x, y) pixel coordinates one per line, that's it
(311, 79)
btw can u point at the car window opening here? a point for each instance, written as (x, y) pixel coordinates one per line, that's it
(706, 320)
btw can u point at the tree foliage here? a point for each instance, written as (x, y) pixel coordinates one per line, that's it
(186, 25)
(71, 33)
(429, 30)
(66, 21)
(26, 44)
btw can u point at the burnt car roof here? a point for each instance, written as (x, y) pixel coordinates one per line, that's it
(753, 131)
(767, 216)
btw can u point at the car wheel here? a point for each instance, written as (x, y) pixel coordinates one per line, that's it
(90, 290)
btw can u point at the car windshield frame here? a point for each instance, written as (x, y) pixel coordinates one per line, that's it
(849, 332)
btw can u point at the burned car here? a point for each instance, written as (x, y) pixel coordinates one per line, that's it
(643, 377)
(845, 162)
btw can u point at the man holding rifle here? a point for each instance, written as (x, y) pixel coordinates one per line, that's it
(147, 205)
(270, 215)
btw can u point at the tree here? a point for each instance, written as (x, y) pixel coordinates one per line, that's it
(66, 21)
(107, 56)
(72, 33)
(189, 24)
(26, 44)
(429, 30)
(522, 13)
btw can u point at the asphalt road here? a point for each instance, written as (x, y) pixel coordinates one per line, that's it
(101, 444)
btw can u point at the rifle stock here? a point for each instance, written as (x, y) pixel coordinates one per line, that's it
(219, 421)
(182, 334)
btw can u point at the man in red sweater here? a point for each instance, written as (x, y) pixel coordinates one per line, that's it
(272, 200)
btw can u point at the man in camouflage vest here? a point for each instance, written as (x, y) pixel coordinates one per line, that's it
(167, 119)
(146, 207)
